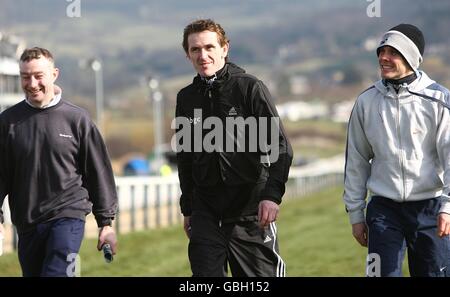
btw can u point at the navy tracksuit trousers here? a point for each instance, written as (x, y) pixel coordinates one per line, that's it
(51, 248)
(395, 227)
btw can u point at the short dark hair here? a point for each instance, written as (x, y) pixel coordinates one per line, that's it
(204, 25)
(36, 53)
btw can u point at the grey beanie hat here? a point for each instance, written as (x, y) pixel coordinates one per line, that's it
(408, 40)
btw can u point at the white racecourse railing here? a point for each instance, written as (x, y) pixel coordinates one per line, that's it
(152, 201)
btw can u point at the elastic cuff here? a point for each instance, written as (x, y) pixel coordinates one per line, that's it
(187, 213)
(445, 206)
(270, 198)
(102, 222)
(186, 210)
(356, 216)
(269, 193)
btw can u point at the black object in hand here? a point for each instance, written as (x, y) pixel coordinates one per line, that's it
(107, 252)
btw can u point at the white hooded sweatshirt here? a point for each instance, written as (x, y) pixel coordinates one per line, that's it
(398, 145)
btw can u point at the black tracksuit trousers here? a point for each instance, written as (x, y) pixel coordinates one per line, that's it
(237, 242)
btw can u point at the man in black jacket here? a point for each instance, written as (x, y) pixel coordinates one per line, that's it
(233, 162)
(55, 169)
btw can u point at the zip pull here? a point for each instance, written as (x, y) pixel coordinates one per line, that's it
(220, 223)
(211, 101)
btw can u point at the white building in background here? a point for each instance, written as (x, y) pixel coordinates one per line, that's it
(340, 112)
(299, 85)
(10, 90)
(300, 110)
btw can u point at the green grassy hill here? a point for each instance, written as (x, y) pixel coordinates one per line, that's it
(315, 240)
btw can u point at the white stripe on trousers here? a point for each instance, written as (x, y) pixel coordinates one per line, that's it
(281, 267)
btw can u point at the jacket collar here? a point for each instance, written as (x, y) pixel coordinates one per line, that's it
(219, 77)
(419, 84)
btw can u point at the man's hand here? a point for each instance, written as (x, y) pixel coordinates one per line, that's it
(443, 227)
(267, 212)
(107, 235)
(187, 226)
(359, 231)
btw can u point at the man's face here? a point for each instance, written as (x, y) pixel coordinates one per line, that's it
(392, 64)
(37, 78)
(205, 52)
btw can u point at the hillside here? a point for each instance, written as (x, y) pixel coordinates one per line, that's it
(321, 42)
(138, 37)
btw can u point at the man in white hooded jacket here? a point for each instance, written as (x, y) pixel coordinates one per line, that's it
(398, 149)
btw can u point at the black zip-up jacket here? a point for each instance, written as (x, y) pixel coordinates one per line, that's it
(233, 94)
(54, 164)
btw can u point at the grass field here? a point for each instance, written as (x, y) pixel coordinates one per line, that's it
(314, 233)
(314, 139)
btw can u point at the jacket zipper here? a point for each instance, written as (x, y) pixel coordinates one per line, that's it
(211, 102)
(402, 167)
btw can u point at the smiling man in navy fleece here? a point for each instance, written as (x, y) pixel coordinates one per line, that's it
(55, 168)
